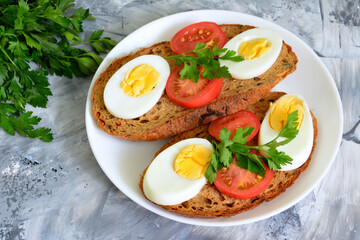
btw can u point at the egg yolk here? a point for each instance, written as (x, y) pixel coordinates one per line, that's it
(254, 48)
(287, 105)
(192, 162)
(140, 80)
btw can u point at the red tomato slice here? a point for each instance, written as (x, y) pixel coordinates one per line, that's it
(189, 94)
(204, 32)
(240, 183)
(232, 122)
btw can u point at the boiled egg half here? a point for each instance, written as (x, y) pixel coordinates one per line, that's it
(177, 174)
(299, 148)
(136, 87)
(259, 47)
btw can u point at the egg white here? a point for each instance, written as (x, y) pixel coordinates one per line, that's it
(123, 106)
(300, 147)
(254, 67)
(162, 185)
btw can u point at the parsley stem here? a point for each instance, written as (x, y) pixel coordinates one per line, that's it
(73, 57)
(80, 43)
(11, 34)
(6, 55)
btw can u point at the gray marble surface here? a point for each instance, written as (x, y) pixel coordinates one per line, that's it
(58, 191)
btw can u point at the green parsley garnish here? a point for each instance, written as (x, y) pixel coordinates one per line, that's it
(208, 59)
(44, 33)
(222, 157)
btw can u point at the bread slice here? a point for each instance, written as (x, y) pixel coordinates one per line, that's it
(167, 119)
(210, 202)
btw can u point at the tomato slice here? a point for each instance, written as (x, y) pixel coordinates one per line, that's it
(240, 183)
(232, 122)
(189, 94)
(204, 32)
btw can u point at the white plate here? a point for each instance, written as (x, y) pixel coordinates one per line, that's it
(124, 161)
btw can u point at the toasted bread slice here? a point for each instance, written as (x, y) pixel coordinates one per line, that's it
(166, 118)
(210, 202)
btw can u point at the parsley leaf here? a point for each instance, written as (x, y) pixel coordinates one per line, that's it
(41, 32)
(289, 131)
(210, 172)
(205, 62)
(222, 157)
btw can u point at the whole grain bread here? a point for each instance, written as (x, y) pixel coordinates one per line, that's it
(167, 119)
(210, 202)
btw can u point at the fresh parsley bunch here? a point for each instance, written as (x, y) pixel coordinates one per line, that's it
(40, 31)
(222, 157)
(208, 60)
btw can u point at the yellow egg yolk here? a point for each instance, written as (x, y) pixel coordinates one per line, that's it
(254, 48)
(140, 80)
(287, 105)
(192, 162)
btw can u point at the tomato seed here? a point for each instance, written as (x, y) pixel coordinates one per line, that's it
(208, 33)
(183, 40)
(201, 31)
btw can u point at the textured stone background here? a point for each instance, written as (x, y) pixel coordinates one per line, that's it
(57, 190)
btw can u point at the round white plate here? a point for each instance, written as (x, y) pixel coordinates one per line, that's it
(124, 161)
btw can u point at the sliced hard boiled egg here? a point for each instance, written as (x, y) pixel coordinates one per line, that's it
(136, 87)
(177, 173)
(259, 47)
(299, 148)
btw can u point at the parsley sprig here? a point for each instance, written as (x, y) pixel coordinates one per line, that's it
(44, 33)
(222, 157)
(206, 58)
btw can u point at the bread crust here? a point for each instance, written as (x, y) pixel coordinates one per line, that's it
(167, 119)
(210, 203)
